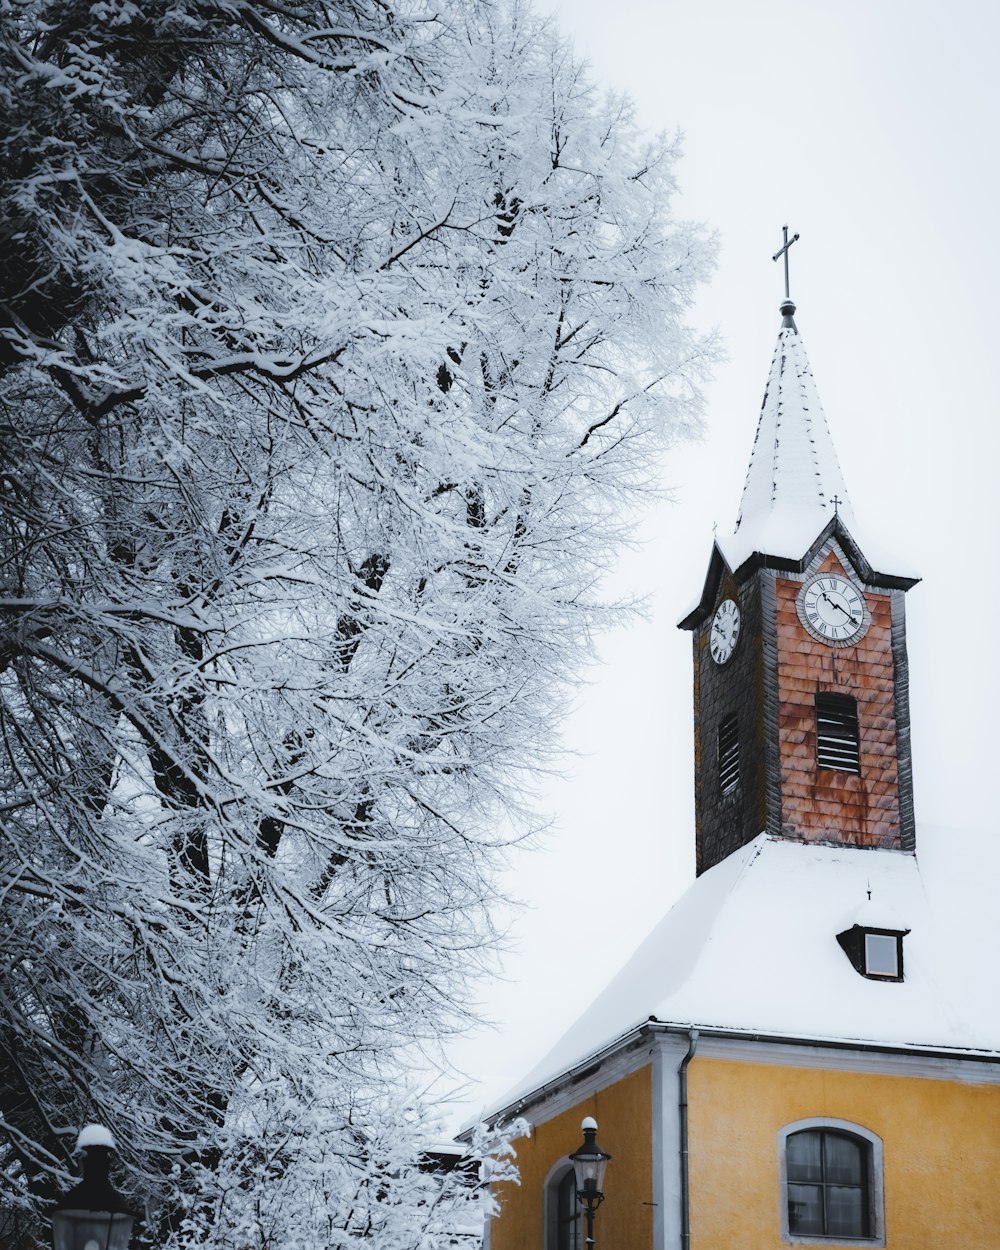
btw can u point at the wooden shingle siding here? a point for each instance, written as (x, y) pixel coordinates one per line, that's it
(770, 684)
(826, 804)
(728, 819)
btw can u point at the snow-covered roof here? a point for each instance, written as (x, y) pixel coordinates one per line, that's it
(794, 483)
(795, 495)
(752, 946)
(794, 480)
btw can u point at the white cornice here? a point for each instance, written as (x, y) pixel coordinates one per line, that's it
(965, 1068)
(634, 1050)
(566, 1092)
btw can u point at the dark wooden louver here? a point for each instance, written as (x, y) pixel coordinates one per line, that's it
(837, 741)
(729, 753)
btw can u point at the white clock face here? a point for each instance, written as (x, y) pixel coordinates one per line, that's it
(725, 631)
(833, 609)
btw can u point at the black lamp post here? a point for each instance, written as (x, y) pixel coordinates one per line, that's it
(589, 1163)
(93, 1215)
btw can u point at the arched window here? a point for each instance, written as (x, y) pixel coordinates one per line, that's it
(561, 1214)
(831, 1175)
(827, 1184)
(567, 1214)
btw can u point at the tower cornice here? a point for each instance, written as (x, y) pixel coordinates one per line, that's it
(835, 528)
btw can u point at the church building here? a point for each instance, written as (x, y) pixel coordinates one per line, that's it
(806, 1050)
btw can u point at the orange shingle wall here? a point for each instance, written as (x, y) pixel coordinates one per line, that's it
(823, 804)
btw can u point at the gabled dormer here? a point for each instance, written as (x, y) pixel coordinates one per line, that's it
(800, 673)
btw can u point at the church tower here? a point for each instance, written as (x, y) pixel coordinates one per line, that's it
(804, 1050)
(801, 702)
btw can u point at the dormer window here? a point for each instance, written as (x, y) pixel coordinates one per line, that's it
(875, 953)
(884, 955)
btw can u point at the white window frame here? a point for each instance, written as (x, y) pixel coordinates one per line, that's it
(876, 1184)
(875, 938)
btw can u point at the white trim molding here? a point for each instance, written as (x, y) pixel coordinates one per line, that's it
(967, 1068)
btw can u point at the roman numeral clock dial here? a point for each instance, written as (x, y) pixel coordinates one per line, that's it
(833, 609)
(725, 631)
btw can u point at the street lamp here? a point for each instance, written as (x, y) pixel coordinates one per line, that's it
(589, 1163)
(93, 1215)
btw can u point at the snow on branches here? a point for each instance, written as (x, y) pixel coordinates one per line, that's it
(331, 340)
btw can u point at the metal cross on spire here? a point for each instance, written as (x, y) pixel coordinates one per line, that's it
(783, 251)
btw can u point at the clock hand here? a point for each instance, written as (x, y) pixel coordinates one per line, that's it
(840, 608)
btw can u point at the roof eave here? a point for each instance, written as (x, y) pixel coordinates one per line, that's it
(784, 564)
(639, 1034)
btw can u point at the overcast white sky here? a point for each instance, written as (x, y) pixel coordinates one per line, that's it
(871, 128)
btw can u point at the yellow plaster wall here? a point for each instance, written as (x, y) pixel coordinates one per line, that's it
(941, 1142)
(625, 1220)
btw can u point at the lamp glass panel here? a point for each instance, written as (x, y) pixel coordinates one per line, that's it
(590, 1171)
(90, 1230)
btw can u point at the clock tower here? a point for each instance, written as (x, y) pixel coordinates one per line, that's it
(801, 703)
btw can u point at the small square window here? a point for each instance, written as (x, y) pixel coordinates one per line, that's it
(882, 954)
(875, 953)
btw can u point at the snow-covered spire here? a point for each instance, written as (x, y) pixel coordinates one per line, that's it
(794, 484)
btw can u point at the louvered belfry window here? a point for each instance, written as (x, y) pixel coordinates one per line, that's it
(729, 754)
(837, 742)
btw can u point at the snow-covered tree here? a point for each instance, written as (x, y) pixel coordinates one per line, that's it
(332, 339)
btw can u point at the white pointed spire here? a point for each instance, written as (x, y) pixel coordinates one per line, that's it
(794, 484)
